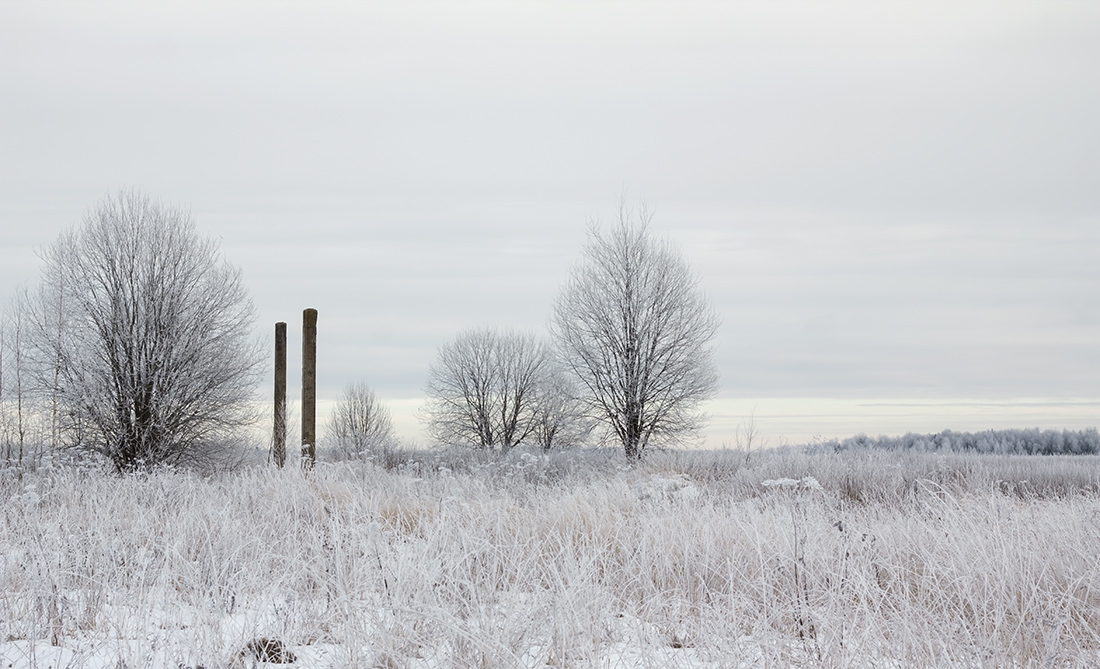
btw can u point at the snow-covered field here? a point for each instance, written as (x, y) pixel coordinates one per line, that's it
(690, 559)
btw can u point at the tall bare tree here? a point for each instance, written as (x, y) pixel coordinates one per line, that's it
(146, 333)
(359, 421)
(482, 390)
(635, 328)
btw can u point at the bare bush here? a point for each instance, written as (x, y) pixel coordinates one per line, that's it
(359, 421)
(634, 327)
(483, 389)
(142, 336)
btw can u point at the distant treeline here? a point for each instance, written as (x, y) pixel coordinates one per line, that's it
(1014, 442)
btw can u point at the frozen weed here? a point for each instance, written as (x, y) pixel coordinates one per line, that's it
(858, 558)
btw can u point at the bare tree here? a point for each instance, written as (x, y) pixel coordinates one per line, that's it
(21, 418)
(635, 328)
(15, 334)
(359, 421)
(145, 331)
(560, 419)
(482, 391)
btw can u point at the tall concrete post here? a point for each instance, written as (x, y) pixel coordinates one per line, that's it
(278, 444)
(309, 387)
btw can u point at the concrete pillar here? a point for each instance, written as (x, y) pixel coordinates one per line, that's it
(278, 444)
(309, 388)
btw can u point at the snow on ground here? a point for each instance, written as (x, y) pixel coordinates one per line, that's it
(172, 645)
(437, 560)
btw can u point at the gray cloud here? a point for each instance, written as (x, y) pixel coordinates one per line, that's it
(892, 201)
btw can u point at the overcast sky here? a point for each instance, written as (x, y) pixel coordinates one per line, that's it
(895, 208)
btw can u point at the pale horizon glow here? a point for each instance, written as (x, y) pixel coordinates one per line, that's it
(783, 421)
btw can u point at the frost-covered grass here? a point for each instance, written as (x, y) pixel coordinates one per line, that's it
(860, 558)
